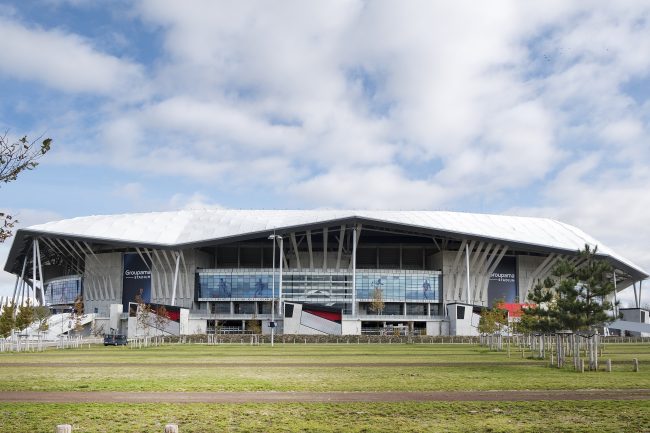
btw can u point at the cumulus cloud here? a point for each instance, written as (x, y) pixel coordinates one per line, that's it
(372, 104)
(193, 201)
(64, 61)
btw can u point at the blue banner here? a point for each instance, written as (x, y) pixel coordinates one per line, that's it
(503, 281)
(136, 279)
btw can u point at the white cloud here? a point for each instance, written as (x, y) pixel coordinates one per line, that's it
(373, 104)
(192, 201)
(64, 61)
(375, 188)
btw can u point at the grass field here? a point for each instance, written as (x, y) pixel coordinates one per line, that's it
(318, 368)
(564, 416)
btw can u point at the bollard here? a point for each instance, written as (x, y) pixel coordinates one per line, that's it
(609, 365)
(636, 365)
(63, 428)
(171, 428)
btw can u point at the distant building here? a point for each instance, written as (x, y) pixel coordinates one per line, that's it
(217, 266)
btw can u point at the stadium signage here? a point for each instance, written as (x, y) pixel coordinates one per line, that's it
(136, 279)
(503, 281)
(138, 275)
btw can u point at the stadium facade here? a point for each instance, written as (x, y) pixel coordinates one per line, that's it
(329, 272)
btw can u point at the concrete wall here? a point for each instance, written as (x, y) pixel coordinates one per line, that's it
(526, 266)
(102, 282)
(468, 325)
(197, 326)
(162, 284)
(351, 327)
(437, 327)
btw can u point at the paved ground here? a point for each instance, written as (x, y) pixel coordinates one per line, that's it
(270, 364)
(318, 397)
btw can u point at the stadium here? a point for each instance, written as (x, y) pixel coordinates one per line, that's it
(295, 271)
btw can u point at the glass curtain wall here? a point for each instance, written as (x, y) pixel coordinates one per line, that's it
(315, 286)
(62, 291)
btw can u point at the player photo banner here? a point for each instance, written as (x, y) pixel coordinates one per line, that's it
(136, 279)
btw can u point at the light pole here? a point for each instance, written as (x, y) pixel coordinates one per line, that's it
(274, 237)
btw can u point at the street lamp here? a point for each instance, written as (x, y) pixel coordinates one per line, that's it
(274, 237)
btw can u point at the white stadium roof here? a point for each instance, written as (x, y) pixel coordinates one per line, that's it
(189, 226)
(177, 228)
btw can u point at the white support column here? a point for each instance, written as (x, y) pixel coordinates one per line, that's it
(40, 272)
(273, 287)
(640, 288)
(34, 263)
(311, 254)
(295, 249)
(169, 265)
(636, 300)
(354, 271)
(467, 269)
(615, 296)
(188, 282)
(454, 271)
(178, 262)
(281, 307)
(325, 248)
(21, 278)
(13, 298)
(340, 250)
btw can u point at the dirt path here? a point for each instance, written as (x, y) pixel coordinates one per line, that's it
(265, 365)
(318, 397)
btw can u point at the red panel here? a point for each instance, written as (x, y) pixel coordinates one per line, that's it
(514, 310)
(328, 315)
(174, 315)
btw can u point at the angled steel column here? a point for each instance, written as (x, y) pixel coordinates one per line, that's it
(178, 262)
(615, 299)
(281, 308)
(34, 266)
(40, 272)
(354, 270)
(22, 285)
(467, 269)
(273, 287)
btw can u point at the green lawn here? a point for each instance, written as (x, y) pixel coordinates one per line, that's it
(561, 416)
(311, 379)
(200, 368)
(300, 353)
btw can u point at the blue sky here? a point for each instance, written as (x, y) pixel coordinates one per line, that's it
(525, 108)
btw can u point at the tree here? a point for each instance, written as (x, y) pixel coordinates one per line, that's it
(7, 319)
(160, 318)
(25, 315)
(540, 314)
(574, 300)
(143, 315)
(492, 322)
(16, 157)
(377, 304)
(41, 314)
(78, 311)
(582, 302)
